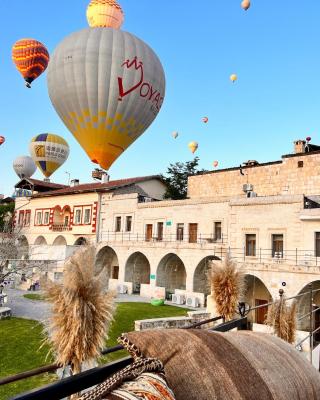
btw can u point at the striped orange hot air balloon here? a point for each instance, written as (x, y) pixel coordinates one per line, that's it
(31, 59)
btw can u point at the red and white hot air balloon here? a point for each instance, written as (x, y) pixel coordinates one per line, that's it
(215, 164)
(205, 119)
(2, 140)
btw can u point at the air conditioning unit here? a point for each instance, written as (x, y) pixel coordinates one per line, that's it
(178, 299)
(247, 187)
(122, 289)
(251, 194)
(193, 302)
(147, 199)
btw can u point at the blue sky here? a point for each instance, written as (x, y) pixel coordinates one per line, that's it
(273, 47)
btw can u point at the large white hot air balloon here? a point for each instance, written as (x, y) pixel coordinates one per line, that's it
(107, 86)
(24, 167)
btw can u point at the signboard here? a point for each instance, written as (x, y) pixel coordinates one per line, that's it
(168, 223)
(152, 277)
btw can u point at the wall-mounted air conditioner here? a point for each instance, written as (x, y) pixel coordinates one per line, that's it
(122, 289)
(193, 302)
(178, 299)
(247, 187)
(251, 194)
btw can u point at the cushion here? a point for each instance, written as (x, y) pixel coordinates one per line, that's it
(204, 365)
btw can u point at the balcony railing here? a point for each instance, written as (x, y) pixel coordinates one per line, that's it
(60, 227)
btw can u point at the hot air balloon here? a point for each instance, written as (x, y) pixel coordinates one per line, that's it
(49, 152)
(233, 78)
(215, 164)
(205, 119)
(2, 140)
(31, 59)
(245, 4)
(106, 102)
(24, 166)
(175, 135)
(308, 138)
(104, 14)
(193, 146)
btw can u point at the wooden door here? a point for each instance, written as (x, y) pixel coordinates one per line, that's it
(193, 233)
(261, 313)
(316, 336)
(148, 232)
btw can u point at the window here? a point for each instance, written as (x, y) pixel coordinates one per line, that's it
(180, 232)
(300, 164)
(118, 224)
(250, 245)
(277, 246)
(66, 220)
(27, 218)
(217, 231)
(193, 233)
(46, 218)
(115, 272)
(77, 219)
(128, 223)
(87, 216)
(39, 218)
(160, 231)
(317, 244)
(21, 216)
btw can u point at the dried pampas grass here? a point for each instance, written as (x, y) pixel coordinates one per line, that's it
(227, 283)
(282, 318)
(81, 311)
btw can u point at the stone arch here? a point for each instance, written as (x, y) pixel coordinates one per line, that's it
(108, 261)
(200, 277)
(23, 247)
(59, 241)
(304, 307)
(40, 241)
(137, 271)
(171, 273)
(256, 293)
(81, 241)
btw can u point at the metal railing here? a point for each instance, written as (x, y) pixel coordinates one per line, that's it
(60, 228)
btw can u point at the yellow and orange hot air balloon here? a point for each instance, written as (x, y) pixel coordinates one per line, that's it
(233, 78)
(104, 14)
(193, 146)
(31, 59)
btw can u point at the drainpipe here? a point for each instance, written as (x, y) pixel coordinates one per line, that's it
(98, 216)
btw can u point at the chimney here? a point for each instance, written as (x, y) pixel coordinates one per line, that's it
(299, 146)
(105, 178)
(74, 182)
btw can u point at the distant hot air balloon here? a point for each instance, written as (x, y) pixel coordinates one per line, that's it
(308, 138)
(2, 140)
(193, 146)
(49, 152)
(104, 14)
(245, 4)
(24, 167)
(175, 134)
(106, 102)
(233, 78)
(205, 119)
(31, 59)
(215, 164)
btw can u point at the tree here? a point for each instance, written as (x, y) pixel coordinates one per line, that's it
(177, 178)
(6, 214)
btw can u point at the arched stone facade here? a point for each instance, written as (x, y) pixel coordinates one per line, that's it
(137, 271)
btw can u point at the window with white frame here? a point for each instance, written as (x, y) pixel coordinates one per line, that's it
(39, 218)
(87, 216)
(27, 218)
(46, 218)
(118, 224)
(21, 216)
(128, 223)
(77, 218)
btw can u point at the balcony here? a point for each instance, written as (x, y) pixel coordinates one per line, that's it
(60, 228)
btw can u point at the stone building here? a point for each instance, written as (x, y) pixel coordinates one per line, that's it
(266, 216)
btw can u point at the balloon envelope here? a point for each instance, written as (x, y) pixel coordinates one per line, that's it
(205, 119)
(193, 146)
(104, 14)
(175, 135)
(31, 59)
(24, 166)
(2, 140)
(49, 152)
(245, 4)
(107, 86)
(215, 164)
(233, 77)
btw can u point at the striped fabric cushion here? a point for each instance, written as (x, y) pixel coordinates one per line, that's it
(243, 365)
